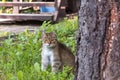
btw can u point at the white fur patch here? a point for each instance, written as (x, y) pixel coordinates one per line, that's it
(47, 53)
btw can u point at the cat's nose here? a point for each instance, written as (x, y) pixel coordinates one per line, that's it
(49, 43)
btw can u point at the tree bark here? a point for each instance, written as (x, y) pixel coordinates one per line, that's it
(98, 40)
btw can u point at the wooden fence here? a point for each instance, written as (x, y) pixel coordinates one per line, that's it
(17, 16)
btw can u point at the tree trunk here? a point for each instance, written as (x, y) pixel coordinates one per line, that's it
(98, 40)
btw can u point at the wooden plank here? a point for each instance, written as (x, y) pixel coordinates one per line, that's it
(27, 4)
(18, 17)
(15, 8)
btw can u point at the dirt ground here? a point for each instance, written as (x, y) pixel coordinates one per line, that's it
(18, 27)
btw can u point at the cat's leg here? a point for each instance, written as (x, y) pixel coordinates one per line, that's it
(44, 63)
(56, 64)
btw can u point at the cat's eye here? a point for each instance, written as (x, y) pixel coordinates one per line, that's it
(53, 41)
(45, 41)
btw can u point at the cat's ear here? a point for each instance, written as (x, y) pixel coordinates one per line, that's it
(43, 32)
(55, 31)
(55, 34)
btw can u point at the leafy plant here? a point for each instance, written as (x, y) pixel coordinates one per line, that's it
(21, 59)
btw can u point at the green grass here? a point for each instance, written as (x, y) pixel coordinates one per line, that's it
(21, 59)
(2, 34)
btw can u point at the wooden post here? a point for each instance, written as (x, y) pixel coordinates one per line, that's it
(20, 6)
(62, 10)
(15, 8)
(56, 11)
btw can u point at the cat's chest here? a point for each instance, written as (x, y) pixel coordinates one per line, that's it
(47, 51)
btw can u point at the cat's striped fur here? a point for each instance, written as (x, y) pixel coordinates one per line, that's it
(55, 53)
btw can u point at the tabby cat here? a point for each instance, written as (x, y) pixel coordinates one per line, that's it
(55, 53)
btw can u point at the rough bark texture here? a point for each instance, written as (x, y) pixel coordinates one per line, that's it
(110, 66)
(98, 48)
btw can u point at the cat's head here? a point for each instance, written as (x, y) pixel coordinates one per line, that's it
(49, 39)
